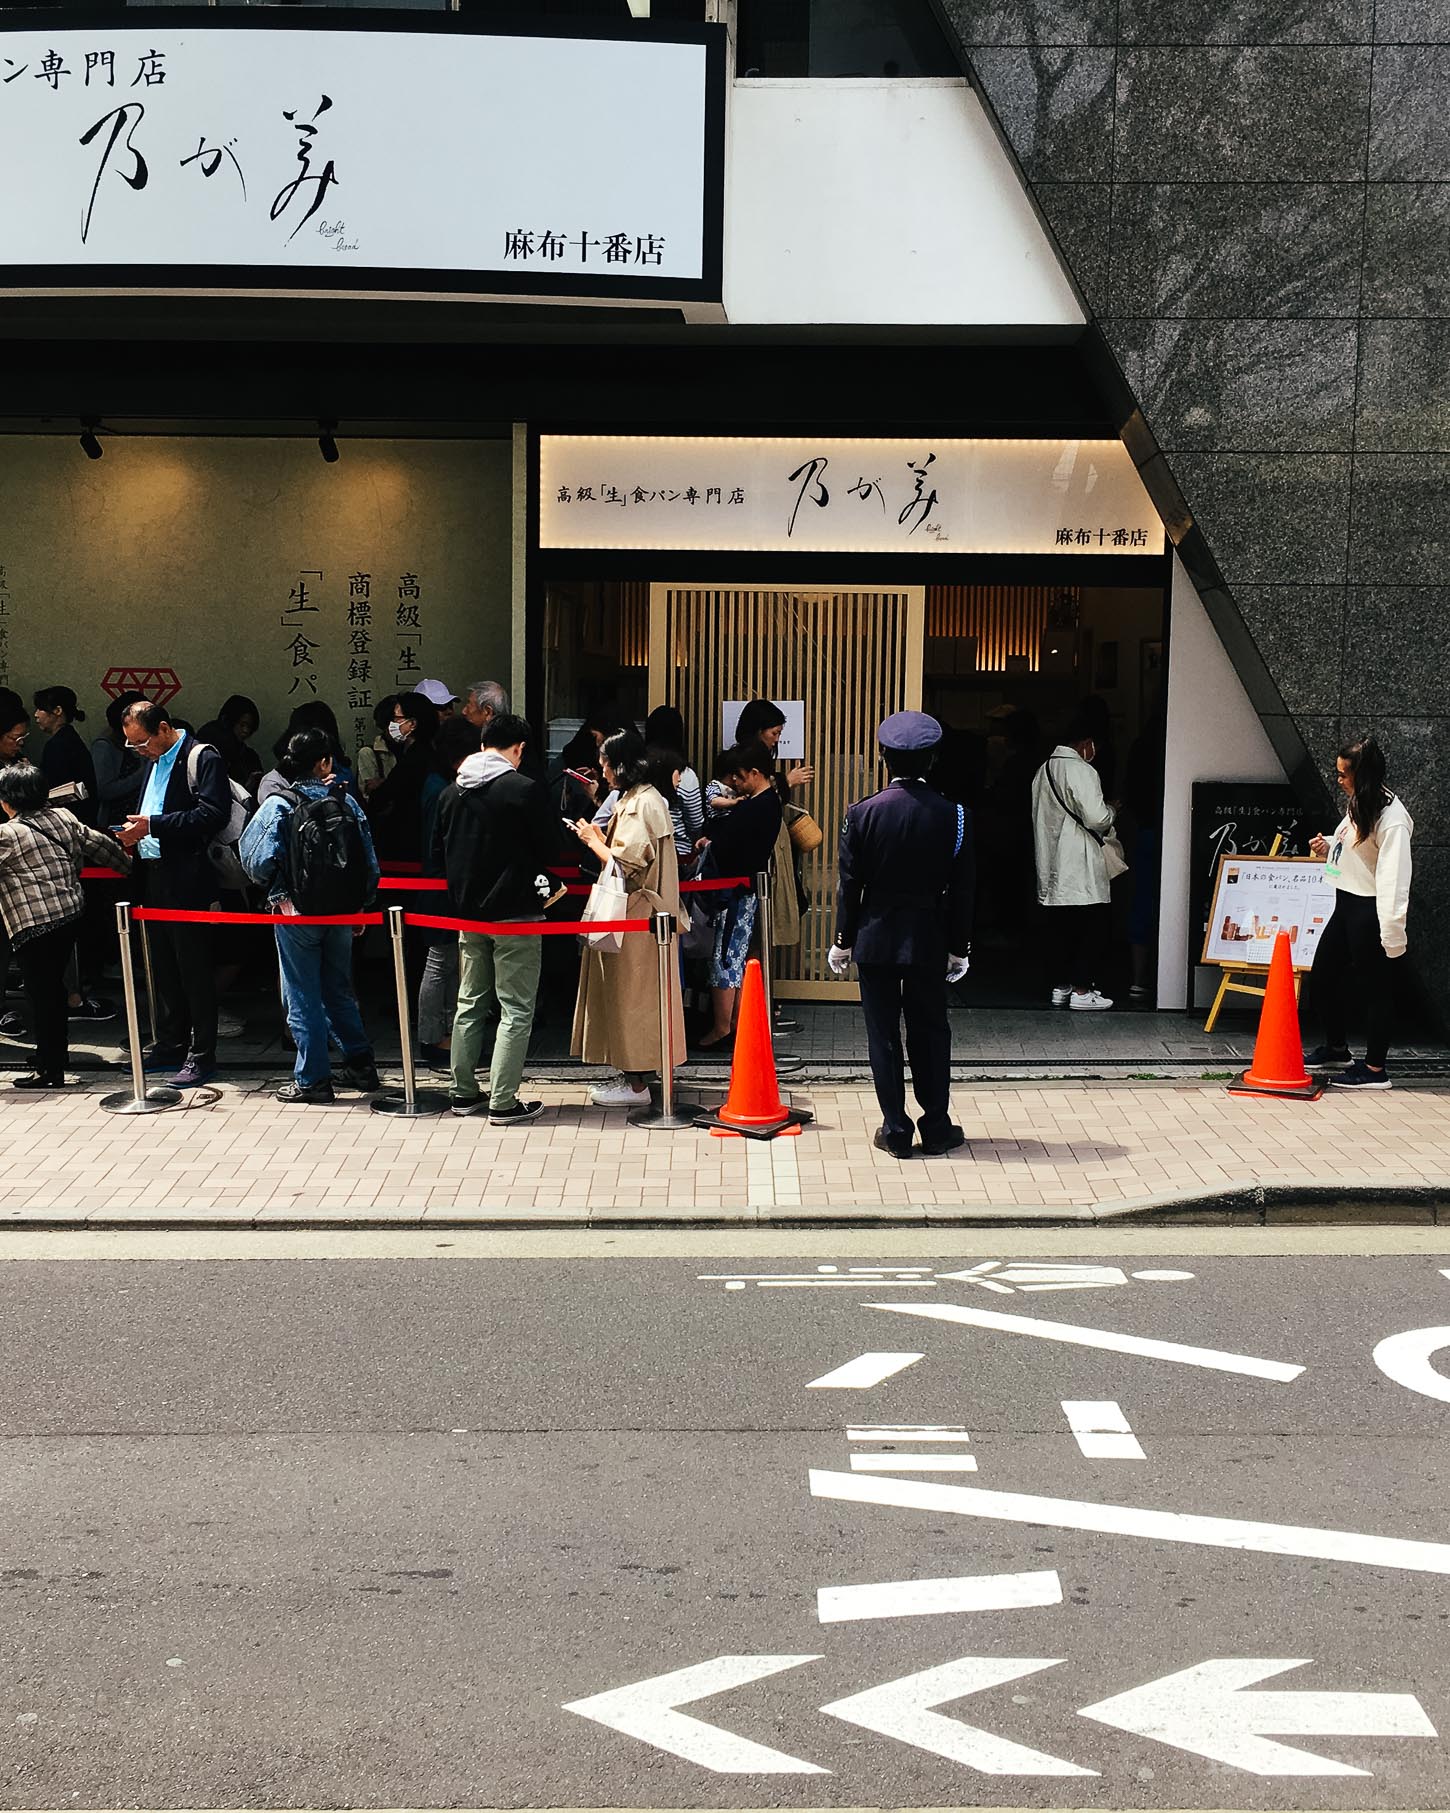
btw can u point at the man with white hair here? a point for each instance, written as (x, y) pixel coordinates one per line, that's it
(485, 699)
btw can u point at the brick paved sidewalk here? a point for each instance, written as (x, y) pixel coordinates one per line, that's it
(236, 1155)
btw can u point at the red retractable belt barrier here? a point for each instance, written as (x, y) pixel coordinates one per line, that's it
(103, 874)
(179, 916)
(541, 928)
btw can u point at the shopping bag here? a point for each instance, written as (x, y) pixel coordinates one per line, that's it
(607, 900)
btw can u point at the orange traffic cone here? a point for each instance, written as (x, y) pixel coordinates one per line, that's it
(753, 1108)
(1278, 1066)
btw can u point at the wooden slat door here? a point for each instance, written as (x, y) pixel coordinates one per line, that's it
(854, 657)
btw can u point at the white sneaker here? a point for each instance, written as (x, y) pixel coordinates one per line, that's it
(1061, 997)
(228, 1026)
(1089, 1002)
(618, 1095)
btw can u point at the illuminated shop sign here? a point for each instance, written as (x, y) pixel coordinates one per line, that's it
(257, 150)
(844, 496)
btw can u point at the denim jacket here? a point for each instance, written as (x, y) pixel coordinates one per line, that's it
(263, 847)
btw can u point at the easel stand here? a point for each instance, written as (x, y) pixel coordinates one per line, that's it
(1241, 981)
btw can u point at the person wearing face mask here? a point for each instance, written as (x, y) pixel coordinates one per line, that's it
(1070, 820)
(396, 806)
(1368, 860)
(374, 761)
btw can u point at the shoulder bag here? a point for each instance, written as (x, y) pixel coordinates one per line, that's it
(1107, 841)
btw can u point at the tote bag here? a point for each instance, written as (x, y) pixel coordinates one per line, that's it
(607, 900)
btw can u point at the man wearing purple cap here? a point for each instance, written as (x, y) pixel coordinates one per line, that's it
(906, 879)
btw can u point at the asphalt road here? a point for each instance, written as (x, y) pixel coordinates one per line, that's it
(358, 1532)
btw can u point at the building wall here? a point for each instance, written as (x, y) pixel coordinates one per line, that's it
(1254, 198)
(184, 555)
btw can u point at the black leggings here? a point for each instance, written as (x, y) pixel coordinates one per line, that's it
(1350, 953)
(43, 958)
(1077, 944)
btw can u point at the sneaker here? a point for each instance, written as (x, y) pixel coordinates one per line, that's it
(1360, 1076)
(515, 1116)
(12, 1024)
(1089, 1002)
(1138, 992)
(38, 1082)
(618, 1095)
(1061, 997)
(93, 1007)
(162, 1057)
(1328, 1057)
(193, 1073)
(228, 1026)
(897, 1144)
(435, 1057)
(468, 1104)
(315, 1093)
(362, 1075)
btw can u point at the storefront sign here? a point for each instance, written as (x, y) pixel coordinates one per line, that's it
(844, 496)
(266, 150)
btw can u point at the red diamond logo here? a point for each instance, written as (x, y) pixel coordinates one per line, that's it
(159, 684)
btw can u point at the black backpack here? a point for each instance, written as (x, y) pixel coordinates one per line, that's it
(327, 862)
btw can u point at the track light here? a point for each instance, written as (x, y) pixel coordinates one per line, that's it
(90, 446)
(326, 445)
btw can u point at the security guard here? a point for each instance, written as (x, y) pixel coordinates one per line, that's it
(904, 913)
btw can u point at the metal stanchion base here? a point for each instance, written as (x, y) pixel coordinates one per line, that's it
(655, 1120)
(425, 1101)
(157, 1099)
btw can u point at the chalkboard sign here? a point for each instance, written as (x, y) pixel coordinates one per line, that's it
(1236, 818)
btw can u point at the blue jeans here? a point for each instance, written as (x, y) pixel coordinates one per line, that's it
(317, 984)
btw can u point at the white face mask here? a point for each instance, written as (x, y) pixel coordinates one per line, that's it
(396, 732)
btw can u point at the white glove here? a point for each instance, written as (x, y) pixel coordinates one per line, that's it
(957, 967)
(839, 960)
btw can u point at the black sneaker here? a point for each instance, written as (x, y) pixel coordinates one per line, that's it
(1328, 1057)
(468, 1104)
(38, 1082)
(435, 1057)
(512, 1117)
(12, 1024)
(195, 1073)
(162, 1057)
(315, 1093)
(1360, 1076)
(939, 1143)
(93, 1007)
(897, 1144)
(363, 1075)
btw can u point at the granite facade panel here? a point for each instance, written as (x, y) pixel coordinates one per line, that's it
(1251, 250)
(1406, 249)
(1056, 106)
(1415, 756)
(1080, 215)
(1404, 386)
(1024, 22)
(1245, 21)
(1396, 650)
(1410, 125)
(1276, 114)
(1412, 22)
(1298, 629)
(1271, 518)
(1258, 386)
(1400, 529)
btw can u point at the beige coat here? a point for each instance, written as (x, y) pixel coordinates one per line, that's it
(785, 906)
(617, 1017)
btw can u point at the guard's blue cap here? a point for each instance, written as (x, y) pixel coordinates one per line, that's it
(909, 731)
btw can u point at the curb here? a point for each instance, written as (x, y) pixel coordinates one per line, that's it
(1299, 1201)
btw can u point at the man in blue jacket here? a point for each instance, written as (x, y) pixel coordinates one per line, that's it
(186, 802)
(904, 914)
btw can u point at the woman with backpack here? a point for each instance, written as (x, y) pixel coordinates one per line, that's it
(1368, 860)
(310, 847)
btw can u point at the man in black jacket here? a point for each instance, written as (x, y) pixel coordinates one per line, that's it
(497, 833)
(904, 912)
(186, 802)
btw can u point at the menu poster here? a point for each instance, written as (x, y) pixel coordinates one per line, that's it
(1257, 897)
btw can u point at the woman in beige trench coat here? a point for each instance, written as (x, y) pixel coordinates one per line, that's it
(617, 1017)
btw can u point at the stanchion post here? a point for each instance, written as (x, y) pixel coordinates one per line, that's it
(140, 1099)
(765, 923)
(150, 976)
(666, 1115)
(413, 1102)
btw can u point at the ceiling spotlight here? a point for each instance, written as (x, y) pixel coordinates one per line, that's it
(90, 446)
(326, 445)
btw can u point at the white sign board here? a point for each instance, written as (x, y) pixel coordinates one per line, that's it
(1257, 897)
(844, 496)
(254, 149)
(792, 744)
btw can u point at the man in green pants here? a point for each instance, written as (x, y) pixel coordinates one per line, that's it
(498, 834)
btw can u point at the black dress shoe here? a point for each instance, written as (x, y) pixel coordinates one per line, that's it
(38, 1082)
(943, 1142)
(898, 1145)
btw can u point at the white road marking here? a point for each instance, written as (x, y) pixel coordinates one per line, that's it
(1157, 1276)
(913, 1463)
(846, 1284)
(924, 1598)
(864, 1371)
(903, 1709)
(1107, 1338)
(1205, 1711)
(646, 1710)
(1406, 1359)
(905, 1432)
(1133, 1520)
(1101, 1429)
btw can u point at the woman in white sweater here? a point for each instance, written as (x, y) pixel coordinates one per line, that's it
(1368, 860)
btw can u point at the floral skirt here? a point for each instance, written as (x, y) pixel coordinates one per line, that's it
(734, 924)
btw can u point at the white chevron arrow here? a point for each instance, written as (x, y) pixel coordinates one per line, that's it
(903, 1709)
(1205, 1710)
(646, 1710)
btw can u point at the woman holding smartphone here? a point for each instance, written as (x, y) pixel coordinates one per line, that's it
(1368, 860)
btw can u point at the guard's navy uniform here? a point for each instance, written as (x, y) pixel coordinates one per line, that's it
(903, 905)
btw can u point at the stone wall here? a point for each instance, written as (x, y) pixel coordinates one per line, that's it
(1254, 197)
